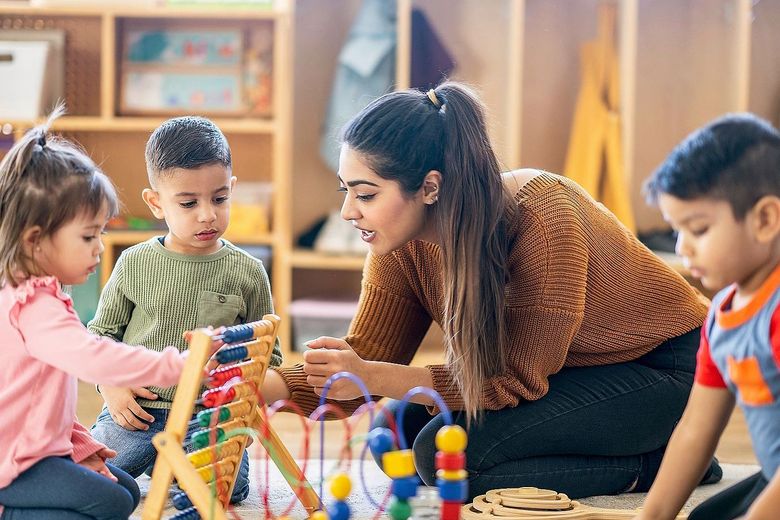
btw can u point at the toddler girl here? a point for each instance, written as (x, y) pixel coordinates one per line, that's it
(54, 205)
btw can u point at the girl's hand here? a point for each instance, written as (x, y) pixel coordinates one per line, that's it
(327, 356)
(97, 463)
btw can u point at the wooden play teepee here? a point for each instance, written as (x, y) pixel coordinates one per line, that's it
(594, 158)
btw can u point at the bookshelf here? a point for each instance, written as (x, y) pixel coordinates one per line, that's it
(93, 56)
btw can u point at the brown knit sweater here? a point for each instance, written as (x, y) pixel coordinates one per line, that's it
(582, 291)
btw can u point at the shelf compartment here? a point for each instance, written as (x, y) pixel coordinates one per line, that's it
(307, 259)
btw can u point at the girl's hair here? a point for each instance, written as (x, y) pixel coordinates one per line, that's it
(45, 181)
(404, 135)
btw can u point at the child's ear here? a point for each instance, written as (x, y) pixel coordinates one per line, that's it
(233, 183)
(30, 238)
(152, 199)
(766, 218)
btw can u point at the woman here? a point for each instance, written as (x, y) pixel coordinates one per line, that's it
(570, 347)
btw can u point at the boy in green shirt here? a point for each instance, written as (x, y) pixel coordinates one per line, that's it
(187, 279)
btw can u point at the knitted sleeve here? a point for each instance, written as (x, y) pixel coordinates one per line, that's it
(114, 308)
(389, 325)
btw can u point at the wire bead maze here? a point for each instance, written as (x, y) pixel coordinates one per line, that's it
(233, 411)
(397, 461)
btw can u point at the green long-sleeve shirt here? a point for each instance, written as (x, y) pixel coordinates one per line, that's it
(155, 294)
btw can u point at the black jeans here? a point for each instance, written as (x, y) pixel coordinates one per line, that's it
(599, 430)
(732, 502)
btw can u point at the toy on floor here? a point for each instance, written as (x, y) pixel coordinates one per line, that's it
(530, 503)
(398, 464)
(208, 474)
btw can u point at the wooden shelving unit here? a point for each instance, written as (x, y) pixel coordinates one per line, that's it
(682, 63)
(261, 146)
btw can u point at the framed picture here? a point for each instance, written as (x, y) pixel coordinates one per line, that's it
(210, 71)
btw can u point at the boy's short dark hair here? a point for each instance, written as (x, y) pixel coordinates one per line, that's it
(735, 158)
(187, 142)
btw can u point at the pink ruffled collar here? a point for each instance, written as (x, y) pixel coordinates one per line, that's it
(29, 287)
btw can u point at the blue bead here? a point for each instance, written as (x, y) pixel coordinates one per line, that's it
(181, 501)
(453, 490)
(338, 510)
(189, 514)
(405, 487)
(380, 440)
(238, 333)
(232, 354)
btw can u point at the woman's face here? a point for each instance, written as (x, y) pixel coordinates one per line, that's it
(386, 217)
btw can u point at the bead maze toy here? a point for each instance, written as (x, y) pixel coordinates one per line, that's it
(233, 410)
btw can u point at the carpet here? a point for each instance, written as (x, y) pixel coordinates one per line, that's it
(280, 495)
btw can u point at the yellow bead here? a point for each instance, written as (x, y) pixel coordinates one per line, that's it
(398, 464)
(340, 486)
(452, 474)
(451, 439)
(319, 515)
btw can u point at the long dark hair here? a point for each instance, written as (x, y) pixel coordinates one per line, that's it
(45, 181)
(403, 136)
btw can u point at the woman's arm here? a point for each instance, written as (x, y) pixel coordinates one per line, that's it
(329, 356)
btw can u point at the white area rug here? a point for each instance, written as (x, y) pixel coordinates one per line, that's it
(280, 495)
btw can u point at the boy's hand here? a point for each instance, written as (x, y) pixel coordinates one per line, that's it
(97, 462)
(124, 409)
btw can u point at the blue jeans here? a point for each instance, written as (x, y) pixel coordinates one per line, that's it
(136, 453)
(56, 488)
(599, 430)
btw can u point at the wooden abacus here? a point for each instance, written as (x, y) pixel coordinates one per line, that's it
(530, 503)
(208, 475)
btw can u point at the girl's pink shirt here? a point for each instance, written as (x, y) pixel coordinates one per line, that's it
(44, 349)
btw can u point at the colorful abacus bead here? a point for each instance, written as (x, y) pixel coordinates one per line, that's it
(181, 501)
(451, 475)
(319, 515)
(187, 514)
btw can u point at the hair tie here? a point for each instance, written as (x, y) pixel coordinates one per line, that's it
(434, 99)
(41, 141)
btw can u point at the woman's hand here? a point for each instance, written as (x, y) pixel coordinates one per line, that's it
(97, 462)
(327, 356)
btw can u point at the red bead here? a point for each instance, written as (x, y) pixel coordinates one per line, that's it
(450, 461)
(221, 376)
(450, 510)
(218, 396)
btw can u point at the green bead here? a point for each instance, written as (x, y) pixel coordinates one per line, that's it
(204, 417)
(201, 439)
(399, 509)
